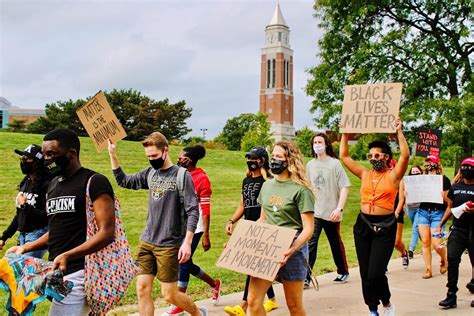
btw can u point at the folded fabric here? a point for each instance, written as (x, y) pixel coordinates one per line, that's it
(29, 281)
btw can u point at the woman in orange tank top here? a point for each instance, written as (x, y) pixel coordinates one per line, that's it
(376, 226)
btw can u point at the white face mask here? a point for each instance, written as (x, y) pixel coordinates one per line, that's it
(319, 149)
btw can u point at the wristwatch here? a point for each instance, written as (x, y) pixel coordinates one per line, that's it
(230, 221)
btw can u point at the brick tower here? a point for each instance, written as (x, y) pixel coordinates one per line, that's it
(276, 83)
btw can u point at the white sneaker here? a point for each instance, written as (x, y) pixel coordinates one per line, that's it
(389, 310)
(204, 311)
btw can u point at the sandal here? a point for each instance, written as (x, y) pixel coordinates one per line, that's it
(443, 268)
(427, 275)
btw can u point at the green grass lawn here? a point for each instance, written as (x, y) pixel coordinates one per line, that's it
(225, 169)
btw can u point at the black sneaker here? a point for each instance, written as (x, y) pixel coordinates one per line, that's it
(405, 260)
(307, 284)
(341, 278)
(470, 286)
(410, 254)
(450, 301)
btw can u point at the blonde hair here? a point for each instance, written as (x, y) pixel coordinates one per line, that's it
(296, 166)
(155, 139)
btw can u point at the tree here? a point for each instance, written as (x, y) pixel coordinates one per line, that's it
(17, 125)
(303, 140)
(139, 115)
(160, 116)
(257, 135)
(236, 127)
(424, 44)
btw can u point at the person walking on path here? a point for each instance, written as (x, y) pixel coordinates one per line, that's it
(188, 158)
(332, 184)
(162, 250)
(375, 227)
(429, 216)
(287, 201)
(257, 173)
(400, 215)
(412, 209)
(30, 218)
(67, 220)
(461, 238)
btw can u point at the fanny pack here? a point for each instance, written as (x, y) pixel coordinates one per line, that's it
(380, 226)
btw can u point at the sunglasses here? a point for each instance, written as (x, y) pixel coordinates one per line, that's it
(376, 156)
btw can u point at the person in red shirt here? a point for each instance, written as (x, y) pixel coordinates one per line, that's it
(188, 158)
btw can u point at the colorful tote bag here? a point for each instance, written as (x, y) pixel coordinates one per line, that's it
(109, 271)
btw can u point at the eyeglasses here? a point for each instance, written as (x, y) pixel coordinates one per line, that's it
(376, 156)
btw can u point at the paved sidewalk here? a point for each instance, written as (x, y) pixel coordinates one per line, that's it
(411, 294)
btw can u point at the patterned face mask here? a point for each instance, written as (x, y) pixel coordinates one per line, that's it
(430, 167)
(377, 165)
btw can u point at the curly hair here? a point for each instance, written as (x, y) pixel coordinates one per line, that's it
(296, 166)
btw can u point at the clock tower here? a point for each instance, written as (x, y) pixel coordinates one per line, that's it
(276, 83)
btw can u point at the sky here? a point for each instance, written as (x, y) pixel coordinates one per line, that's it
(206, 52)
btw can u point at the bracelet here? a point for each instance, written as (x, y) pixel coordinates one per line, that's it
(230, 221)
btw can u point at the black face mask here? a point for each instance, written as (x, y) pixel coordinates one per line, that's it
(56, 166)
(431, 167)
(183, 163)
(157, 163)
(252, 165)
(377, 165)
(467, 174)
(278, 166)
(26, 167)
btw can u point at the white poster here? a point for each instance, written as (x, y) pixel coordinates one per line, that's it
(423, 188)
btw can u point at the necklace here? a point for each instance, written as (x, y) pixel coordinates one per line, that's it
(374, 189)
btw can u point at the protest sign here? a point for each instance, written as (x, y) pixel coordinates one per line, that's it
(100, 121)
(371, 108)
(256, 249)
(424, 188)
(428, 141)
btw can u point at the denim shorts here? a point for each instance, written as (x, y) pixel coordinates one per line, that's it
(295, 268)
(24, 238)
(429, 218)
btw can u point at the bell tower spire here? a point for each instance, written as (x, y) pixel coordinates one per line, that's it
(276, 83)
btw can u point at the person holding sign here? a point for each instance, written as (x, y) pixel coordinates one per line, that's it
(376, 225)
(258, 171)
(461, 205)
(429, 216)
(30, 218)
(332, 188)
(162, 250)
(188, 158)
(287, 201)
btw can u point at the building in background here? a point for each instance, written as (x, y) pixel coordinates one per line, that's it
(276, 83)
(9, 113)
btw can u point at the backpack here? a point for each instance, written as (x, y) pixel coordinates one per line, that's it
(180, 188)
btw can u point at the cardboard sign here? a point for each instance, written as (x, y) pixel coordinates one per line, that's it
(423, 188)
(371, 108)
(428, 141)
(100, 121)
(256, 249)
